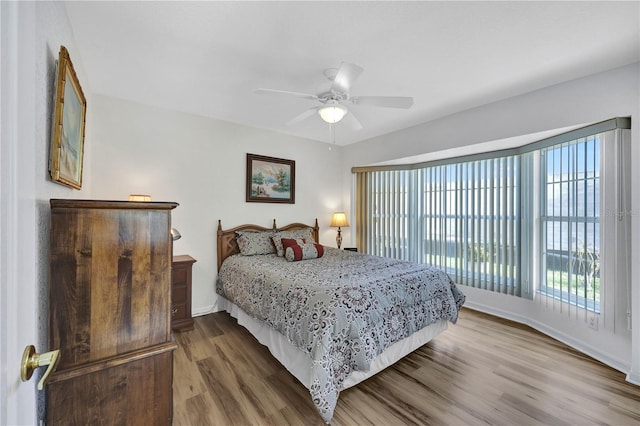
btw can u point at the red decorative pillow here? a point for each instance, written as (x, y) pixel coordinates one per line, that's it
(295, 252)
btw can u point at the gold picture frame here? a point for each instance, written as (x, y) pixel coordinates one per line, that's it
(68, 126)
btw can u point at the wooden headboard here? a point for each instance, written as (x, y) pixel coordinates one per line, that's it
(227, 244)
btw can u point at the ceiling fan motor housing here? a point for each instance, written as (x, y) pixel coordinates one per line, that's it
(331, 95)
(325, 93)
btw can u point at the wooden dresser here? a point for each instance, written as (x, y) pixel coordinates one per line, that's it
(110, 313)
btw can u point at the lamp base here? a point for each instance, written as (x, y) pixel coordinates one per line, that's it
(339, 238)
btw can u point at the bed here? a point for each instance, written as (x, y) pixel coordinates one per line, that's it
(333, 319)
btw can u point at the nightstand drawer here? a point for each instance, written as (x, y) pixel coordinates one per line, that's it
(180, 273)
(179, 294)
(178, 311)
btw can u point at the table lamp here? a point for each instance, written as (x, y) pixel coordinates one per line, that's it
(339, 219)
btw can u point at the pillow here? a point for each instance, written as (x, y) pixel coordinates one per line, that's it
(251, 242)
(304, 233)
(288, 242)
(304, 251)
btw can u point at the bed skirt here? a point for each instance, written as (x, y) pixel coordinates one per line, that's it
(299, 364)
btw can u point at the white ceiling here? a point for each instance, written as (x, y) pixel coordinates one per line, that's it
(207, 58)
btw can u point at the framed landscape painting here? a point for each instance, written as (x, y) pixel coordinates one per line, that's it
(270, 180)
(67, 133)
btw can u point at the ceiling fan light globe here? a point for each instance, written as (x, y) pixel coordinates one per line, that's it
(332, 113)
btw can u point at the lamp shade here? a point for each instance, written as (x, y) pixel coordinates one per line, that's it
(332, 113)
(339, 219)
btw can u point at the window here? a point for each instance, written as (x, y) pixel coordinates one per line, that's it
(469, 215)
(526, 222)
(462, 217)
(387, 213)
(570, 222)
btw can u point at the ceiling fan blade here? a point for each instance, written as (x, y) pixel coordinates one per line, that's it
(383, 101)
(353, 122)
(300, 117)
(347, 74)
(286, 93)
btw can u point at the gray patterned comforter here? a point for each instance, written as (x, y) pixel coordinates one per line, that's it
(343, 309)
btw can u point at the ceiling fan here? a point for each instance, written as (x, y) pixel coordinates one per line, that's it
(335, 98)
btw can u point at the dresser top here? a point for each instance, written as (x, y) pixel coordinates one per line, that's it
(108, 204)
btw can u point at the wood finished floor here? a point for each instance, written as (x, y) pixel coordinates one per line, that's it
(483, 370)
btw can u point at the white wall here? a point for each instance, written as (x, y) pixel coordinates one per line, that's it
(591, 99)
(201, 163)
(52, 31)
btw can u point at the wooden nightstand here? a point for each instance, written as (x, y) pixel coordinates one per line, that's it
(181, 319)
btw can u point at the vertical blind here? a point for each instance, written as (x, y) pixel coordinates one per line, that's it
(462, 217)
(385, 213)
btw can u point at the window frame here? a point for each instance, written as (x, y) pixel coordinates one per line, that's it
(568, 251)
